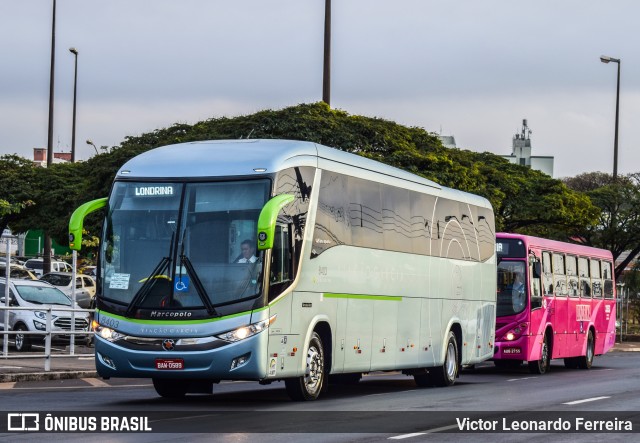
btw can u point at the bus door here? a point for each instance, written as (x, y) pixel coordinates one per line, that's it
(538, 315)
(578, 312)
(560, 315)
(548, 301)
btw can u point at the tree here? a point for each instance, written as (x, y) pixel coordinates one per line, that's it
(56, 192)
(524, 200)
(617, 233)
(16, 188)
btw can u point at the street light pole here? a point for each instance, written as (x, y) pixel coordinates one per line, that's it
(74, 51)
(46, 260)
(607, 59)
(89, 142)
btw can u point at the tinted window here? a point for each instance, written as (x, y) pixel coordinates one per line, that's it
(365, 213)
(332, 217)
(396, 219)
(421, 214)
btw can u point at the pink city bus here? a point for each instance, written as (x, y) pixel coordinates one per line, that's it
(554, 300)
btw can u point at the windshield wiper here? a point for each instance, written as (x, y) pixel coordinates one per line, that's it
(146, 287)
(202, 292)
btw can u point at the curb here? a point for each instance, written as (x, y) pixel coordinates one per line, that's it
(52, 375)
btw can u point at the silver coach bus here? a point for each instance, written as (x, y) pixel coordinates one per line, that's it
(285, 260)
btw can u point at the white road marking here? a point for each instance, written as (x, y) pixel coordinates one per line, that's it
(586, 400)
(429, 431)
(523, 378)
(96, 382)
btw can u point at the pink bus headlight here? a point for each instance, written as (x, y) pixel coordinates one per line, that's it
(515, 333)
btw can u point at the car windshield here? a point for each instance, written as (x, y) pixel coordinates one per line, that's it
(168, 245)
(42, 295)
(33, 264)
(57, 279)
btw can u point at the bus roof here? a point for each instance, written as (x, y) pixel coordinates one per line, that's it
(227, 158)
(558, 246)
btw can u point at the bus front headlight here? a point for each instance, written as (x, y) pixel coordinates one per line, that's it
(247, 331)
(106, 333)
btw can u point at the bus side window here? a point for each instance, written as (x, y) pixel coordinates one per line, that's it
(583, 273)
(559, 277)
(607, 277)
(536, 296)
(281, 271)
(573, 286)
(547, 274)
(596, 282)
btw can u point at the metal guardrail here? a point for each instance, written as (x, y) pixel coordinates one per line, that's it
(48, 333)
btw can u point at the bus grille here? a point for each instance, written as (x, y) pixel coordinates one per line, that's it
(65, 323)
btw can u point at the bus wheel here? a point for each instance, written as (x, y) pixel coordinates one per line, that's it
(170, 388)
(309, 386)
(446, 374)
(541, 366)
(586, 361)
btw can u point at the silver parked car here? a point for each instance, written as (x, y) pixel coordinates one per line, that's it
(85, 286)
(37, 295)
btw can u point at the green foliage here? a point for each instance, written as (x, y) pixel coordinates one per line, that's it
(16, 188)
(618, 225)
(524, 200)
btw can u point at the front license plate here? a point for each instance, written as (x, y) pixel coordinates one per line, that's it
(169, 363)
(511, 351)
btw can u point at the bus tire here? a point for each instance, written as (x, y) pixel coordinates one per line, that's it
(446, 374)
(586, 361)
(309, 386)
(22, 340)
(541, 366)
(168, 388)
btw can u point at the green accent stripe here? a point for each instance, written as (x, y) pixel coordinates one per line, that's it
(178, 322)
(364, 297)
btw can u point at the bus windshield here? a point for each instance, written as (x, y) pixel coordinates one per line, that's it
(182, 245)
(512, 294)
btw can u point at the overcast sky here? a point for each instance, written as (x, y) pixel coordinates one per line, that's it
(468, 68)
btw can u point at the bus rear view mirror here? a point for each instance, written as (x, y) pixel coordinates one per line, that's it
(537, 270)
(77, 221)
(268, 218)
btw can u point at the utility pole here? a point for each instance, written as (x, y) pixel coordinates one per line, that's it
(326, 77)
(46, 260)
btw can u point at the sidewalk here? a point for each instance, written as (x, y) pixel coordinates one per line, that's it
(32, 369)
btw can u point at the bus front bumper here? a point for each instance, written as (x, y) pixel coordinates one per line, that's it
(242, 360)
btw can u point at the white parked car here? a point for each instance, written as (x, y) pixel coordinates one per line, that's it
(35, 265)
(85, 286)
(36, 294)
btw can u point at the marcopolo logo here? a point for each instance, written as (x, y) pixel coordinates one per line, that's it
(23, 421)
